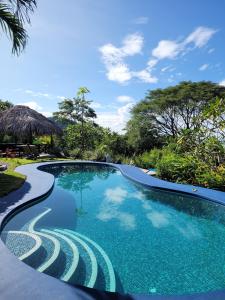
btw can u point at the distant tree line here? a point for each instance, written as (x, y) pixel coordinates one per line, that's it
(178, 130)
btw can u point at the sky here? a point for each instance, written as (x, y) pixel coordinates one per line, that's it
(118, 49)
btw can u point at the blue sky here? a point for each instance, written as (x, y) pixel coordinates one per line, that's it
(118, 49)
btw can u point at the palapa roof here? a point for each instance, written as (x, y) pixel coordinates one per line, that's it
(21, 120)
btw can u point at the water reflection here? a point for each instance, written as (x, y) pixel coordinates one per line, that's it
(110, 208)
(194, 206)
(77, 178)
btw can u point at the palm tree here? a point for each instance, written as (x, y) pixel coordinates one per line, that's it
(13, 15)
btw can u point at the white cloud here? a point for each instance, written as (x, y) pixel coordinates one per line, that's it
(61, 97)
(113, 58)
(171, 49)
(171, 79)
(110, 208)
(107, 213)
(200, 36)
(125, 99)
(32, 104)
(152, 62)
(141, 20)
(139, 195)
(165, 69)
(145, 76)
(158, 219)
(37, 94)
(115, 120)
(211, 50)
(119, 73)
(96, 104)
(167, 49)
(111, 54)
(203, 67)
(132, 44)
(222, 82)
(116, 195)
(47, 114)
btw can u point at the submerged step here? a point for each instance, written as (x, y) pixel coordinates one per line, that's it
(111, 274)
(69, 273)
(94, 265)
(55, 243)
(61, 255)
(34, 248)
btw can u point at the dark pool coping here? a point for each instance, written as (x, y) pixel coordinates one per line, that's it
(18, 280)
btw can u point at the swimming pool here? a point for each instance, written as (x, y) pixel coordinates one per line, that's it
(101, 230)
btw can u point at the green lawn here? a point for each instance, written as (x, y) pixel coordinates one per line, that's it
(11, 180)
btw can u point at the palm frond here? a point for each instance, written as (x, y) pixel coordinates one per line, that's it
(22, 9)
(14, 28)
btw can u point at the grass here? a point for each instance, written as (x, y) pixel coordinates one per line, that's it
(11, 180)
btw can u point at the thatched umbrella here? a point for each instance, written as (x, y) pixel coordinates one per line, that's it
(22, 121)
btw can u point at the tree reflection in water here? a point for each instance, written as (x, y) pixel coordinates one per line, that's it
(78, 177)
(194, 206)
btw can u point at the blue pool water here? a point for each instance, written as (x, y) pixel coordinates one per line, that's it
(97, 228)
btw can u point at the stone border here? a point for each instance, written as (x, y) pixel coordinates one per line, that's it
(18, 280)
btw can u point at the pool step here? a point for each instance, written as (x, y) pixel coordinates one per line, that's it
(65, 254)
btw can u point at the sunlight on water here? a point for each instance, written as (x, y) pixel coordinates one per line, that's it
(129, 238)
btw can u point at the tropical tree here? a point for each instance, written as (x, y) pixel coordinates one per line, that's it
(176, 108)
(89, 136)
(142, 135)
(77, 111)
(4, 105)
(213, 118)
(13, 16)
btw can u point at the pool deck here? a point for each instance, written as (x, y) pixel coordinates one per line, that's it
(19, 281)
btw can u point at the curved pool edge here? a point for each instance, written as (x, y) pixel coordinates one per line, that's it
(17, 279)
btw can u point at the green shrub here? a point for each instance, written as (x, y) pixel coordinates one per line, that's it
(75, 153)
(122, 159)
(174, 167)
(212, 178)
(97, 155)
(191, 170)
(148, 159)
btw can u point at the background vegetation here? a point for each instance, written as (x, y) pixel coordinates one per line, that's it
(178, 130)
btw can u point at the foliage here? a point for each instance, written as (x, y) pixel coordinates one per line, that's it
(192, 170)
(212, 178)
(117, 144)
(88, 135)
(173, 109)
(189, 121)
(44, 139)
(77, 111)
(141, 135)
(174, 167)
(4, 105)
(148, 159)
(212, 118)
(13, 16)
